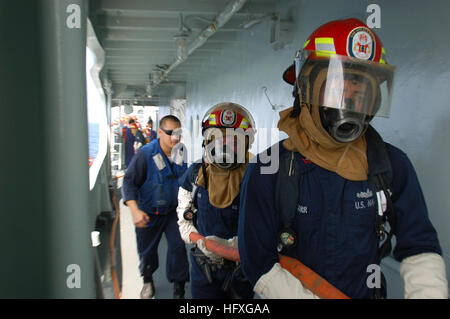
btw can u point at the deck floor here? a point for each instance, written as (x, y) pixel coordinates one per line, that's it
(132, 280)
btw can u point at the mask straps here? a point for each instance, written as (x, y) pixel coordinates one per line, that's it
(300, 58)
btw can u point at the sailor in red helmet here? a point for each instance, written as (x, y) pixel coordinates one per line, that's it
(133, 140)
(340, 193)
(208, 201)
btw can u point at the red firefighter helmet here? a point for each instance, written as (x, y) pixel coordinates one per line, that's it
(227, 150)
(228, 115)
(349, 37)
(334, 53)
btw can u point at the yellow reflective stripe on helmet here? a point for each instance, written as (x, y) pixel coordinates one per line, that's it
(383, 56)
(212, 119)
(244, 123)
(325, 46)
(324, 54)
(325, 40)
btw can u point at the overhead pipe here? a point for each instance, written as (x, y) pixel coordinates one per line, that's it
(220, 20)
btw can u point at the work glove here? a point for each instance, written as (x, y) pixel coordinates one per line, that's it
(213, 257)
(424, 276)
(278, 283)
(232, 242)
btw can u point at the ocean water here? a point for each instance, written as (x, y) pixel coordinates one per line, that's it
(93, 140)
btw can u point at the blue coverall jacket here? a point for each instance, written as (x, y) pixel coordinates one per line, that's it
(152, 180)
(129, 146)
(213, 221)
(335, 223)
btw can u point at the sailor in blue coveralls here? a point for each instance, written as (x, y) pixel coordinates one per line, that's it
(150, 190)
(339, 220)
(132, 135)
(129, 142)
(211, 189)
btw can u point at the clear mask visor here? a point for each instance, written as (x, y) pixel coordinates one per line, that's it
(225, 146)
(345, 83)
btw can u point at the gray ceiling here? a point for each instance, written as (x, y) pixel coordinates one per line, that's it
(138, 38)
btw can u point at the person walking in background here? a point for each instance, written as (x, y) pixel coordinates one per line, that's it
(134, 139)
(150, 190)
(149, 131)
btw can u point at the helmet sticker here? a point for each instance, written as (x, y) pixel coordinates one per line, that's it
(361, 44)
(228, 117)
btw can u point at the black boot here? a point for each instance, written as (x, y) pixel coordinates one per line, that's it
(148, 290)
(178, 290)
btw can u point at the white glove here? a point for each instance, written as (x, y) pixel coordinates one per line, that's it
(186, 227)
(278, 283)
(424, 276)
(214, 258)
(232, 242)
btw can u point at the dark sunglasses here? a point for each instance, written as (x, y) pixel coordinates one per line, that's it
(176, 132)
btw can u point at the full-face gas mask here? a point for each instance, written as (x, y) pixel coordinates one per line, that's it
(349, 92)
(342, 71)
(225, 148)
(355, 91)
(228, 132)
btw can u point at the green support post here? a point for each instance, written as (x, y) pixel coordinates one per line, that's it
(45, 218)
(63, 34)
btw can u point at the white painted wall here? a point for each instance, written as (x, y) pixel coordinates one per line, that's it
(415, 35)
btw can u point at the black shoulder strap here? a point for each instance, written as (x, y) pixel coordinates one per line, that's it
(380, 178)
(377, 159)
(194, 172)
(287, 189)
(193, 179)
